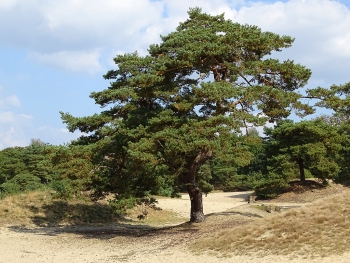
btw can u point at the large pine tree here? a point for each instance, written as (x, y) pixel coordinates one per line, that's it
(172, 110)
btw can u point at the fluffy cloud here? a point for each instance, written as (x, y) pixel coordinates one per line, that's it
(6, 117)
(10, 138)
(321, 29)
(14, 129)
(70, 34)
(8, 101)
(17, 129)
(54, 26)
(73, 61)
(55, 135)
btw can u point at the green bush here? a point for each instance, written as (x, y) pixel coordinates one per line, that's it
(21, 183)
(270, 186)
(9, 188)
(64, 189)
(120, 206)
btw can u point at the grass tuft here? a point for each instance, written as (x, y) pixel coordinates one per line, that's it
(320, 228)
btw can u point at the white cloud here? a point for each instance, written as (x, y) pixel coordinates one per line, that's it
(52, 26)
(7, 4)
(8, 101)
(66, 34)
(13, 101)
(7, 117)
(21, 130)
(10, 138)
(64, 130)
(56, 135)
(321, 29)
(74, 61)
(72, 35)
(58, 33)
(15, 129)
(25, 116)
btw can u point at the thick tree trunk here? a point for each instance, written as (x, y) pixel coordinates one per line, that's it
(301, 169)
(194, 192)
(196, 198)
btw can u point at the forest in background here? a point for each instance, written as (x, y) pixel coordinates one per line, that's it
(290, 151)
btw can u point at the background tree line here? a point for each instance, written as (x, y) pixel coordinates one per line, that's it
(317, 148)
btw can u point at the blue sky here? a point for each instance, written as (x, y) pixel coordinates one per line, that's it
(54, 53)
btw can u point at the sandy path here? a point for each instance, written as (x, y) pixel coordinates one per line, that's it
(212, 203)
(39, 245)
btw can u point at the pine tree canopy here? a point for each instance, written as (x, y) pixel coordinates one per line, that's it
(170, 111)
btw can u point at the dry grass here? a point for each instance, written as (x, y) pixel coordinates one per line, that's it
(40, 209)
(320, 228)
(155, 217)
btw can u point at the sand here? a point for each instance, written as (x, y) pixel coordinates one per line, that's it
(115, 244)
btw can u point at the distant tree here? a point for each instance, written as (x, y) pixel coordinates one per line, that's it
(12, 162)
(256, 146)
(71, 169)
(313, 145)
(337, 98)
(21, 183)
(223, 174)
(36, 159)
(174, 109)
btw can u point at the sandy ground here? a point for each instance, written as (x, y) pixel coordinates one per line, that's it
(212, 203)
(113, 244)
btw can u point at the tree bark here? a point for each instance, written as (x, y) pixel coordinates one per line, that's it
(301, 169)
(196, 213)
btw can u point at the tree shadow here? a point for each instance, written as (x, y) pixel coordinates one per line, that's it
(232, 213)
(242, 195)
(60, 213)
(90, 221)
(109, 231)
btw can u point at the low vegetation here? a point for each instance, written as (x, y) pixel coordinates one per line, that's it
(41, 208)
(320, 228)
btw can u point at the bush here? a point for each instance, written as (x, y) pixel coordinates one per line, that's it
(270, 186)
(120, 206)
(64, 189)
(9, 188)
(21, 183)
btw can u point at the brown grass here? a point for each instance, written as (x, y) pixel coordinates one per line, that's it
(155, 217)
(40, 209)
(320, 228)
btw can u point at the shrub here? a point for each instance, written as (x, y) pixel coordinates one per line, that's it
(21, 183)
(120, 206)
(65, 189)
(270, 186)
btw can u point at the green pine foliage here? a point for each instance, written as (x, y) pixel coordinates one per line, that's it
(167, 113)
(312, 145)
(12, 163)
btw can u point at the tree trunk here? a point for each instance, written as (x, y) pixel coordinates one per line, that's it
(194, 192)
(196, 198)
(301, 169)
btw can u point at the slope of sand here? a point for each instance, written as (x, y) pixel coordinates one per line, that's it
(126, 243)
